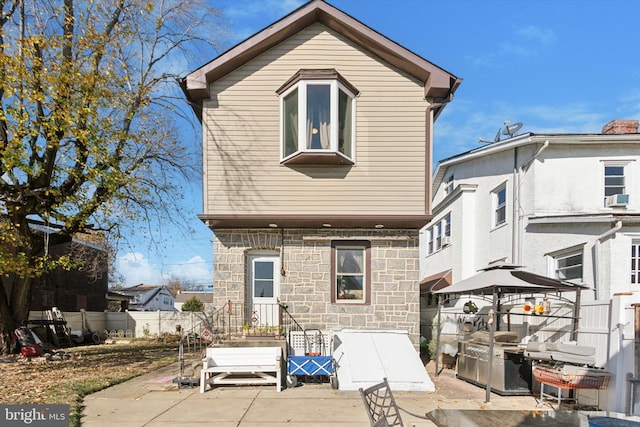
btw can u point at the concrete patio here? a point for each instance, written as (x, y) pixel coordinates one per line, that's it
(155, 400)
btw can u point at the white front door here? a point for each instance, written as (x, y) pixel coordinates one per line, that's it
(264, 290)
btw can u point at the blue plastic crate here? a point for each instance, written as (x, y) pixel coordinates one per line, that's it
(310, 365)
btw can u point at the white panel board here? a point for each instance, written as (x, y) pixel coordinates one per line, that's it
(365, 357)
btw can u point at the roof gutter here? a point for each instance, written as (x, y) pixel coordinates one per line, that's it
(196, 106)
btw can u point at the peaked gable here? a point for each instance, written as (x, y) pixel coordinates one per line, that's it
(439, 85)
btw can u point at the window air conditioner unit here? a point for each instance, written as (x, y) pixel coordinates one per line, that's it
(446, 240)
(618, 200)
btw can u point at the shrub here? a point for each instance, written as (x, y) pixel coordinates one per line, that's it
(193, 304)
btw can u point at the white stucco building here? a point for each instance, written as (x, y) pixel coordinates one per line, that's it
(560, 205)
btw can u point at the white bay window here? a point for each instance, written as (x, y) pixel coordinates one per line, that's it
(317, 118)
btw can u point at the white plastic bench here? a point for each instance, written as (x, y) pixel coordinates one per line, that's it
(241, 365)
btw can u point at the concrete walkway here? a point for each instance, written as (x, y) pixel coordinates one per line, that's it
(154, 400)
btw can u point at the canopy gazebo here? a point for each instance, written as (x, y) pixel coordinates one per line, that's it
(497, 281)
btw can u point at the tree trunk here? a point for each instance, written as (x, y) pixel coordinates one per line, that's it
(21, 300)
(14, 314)
(6, 321)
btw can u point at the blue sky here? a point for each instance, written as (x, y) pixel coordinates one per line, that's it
(562, 66)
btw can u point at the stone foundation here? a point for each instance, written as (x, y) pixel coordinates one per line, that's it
(306, 284)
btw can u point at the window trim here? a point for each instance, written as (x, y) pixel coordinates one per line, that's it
(635, 272)
(436, 232)
(366, 246)
(558, 269)
(449, 185)
(300, 81)
(496, 206)
(320, 74)
(563, 254)
(262, 256)
(613, 164)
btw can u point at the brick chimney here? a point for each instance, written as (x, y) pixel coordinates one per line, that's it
(620, 127)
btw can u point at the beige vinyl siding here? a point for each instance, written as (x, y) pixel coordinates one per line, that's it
(242, 160)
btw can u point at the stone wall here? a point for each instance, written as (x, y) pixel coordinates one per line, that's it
(306, 284)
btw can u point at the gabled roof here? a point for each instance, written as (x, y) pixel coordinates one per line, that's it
(148, 291)
(439, 85)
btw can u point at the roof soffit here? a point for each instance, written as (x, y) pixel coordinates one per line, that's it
(439, 84)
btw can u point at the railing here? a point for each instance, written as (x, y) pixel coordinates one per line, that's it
(253, 320)
(196, 338)
(290, 324)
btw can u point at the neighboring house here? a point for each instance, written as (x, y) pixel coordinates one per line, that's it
(205, 297)
(82, 287)
(149, 298)
(562, 205)
(317, 141)
(117, 302)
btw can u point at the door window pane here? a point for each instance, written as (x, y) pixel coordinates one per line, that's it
(263, 279)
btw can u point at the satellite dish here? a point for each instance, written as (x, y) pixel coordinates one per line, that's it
(511, 129)
(496, 139)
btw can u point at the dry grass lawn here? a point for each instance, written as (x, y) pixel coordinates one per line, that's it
(89, 369)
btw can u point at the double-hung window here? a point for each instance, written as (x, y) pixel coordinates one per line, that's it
(613, 180)
(448, 185)
(615, 193)
(635, 262)
(446, 226)
(439, 234)
(499, 206)
(434, 238)
(437, 230)
(317, 118)
(350, 272)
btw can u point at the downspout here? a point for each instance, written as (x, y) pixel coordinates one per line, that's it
(438, 335)
(596, 251)
(516, 246)
(429, 160)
